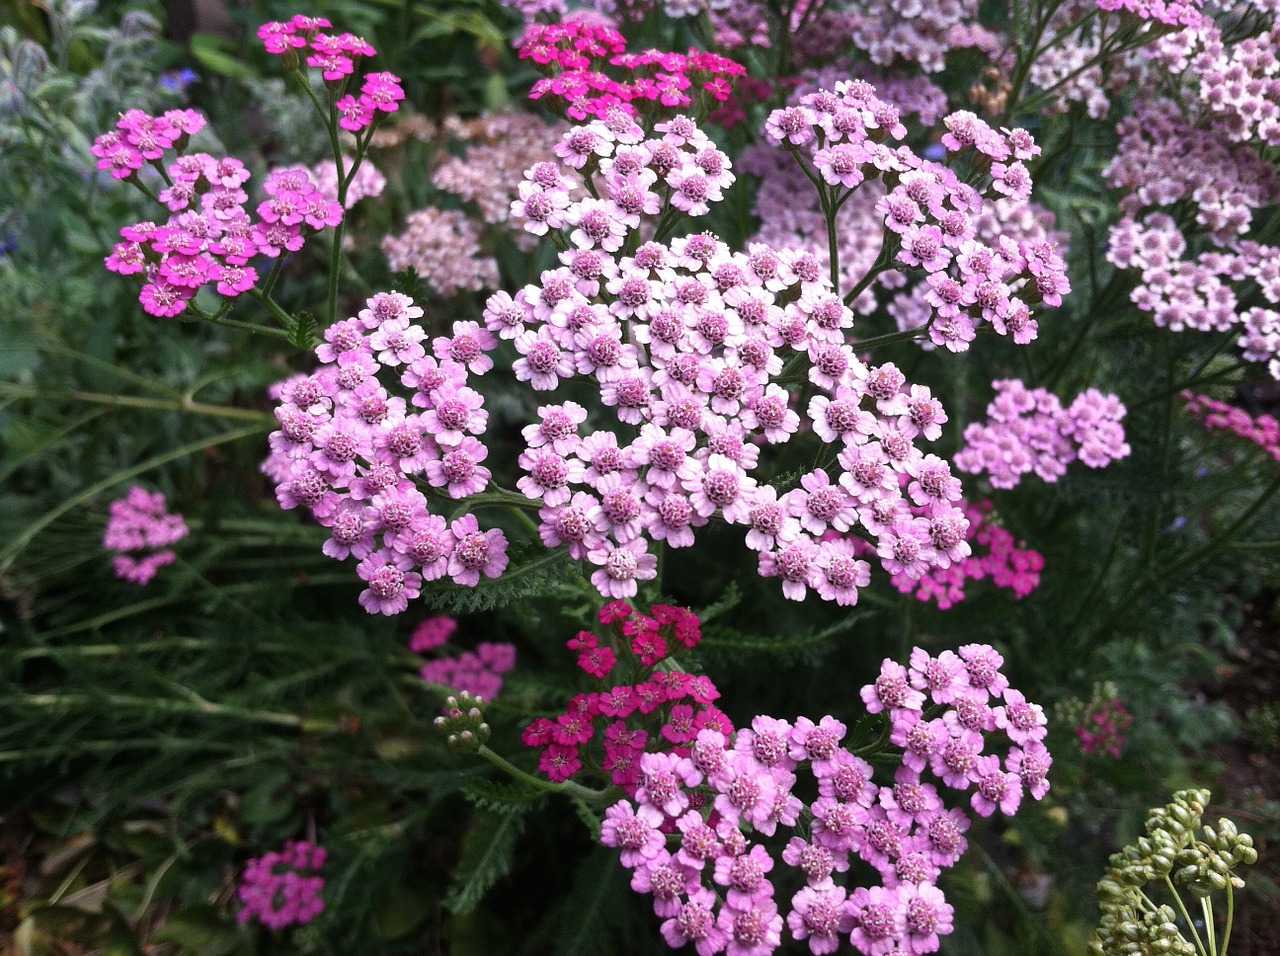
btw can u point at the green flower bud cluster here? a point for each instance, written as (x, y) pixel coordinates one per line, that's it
(1178, 849)
(463, 722)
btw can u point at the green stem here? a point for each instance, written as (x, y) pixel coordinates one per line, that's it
(1210, 931)
(8, 390)
(1231, 913)
(1182, 908)
(595, 798)
(197, 706)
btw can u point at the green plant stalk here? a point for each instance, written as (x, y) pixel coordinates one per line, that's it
(1231, 912)
(1182, 908)
(198, 706)
(595, 798)
(1206, 908)
(8, 390)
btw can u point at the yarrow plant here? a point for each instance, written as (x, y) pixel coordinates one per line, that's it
(140, 531)
(693, 832)
(478, 672)
(283, 887)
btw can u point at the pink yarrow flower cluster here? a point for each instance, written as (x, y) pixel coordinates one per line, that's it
(693, 834)
(576, 53)
(654, 710)
(1216, 415)
(140, 531)
(1174, 13)
(684, 342)
(210, 236)
(929, 214)
(993, 555)
(358, 457)
(283, 887)
(1029, 430)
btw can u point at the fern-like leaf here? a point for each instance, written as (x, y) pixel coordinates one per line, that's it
(500, 798)
(487, 854)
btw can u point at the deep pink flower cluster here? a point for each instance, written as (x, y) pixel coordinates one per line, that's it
(994, 555)
(140, 531)
(350, 451)
(1101, 731)
(283, 887)
(653, 710)
(1216, 415)
(576, 52)
(336, 57)
(1029, 430)
(928, 212)
(684, 342)
(692, 833)
(210, 235)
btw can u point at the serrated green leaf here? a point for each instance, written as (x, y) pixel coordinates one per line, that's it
(487, 854)
(499, 797)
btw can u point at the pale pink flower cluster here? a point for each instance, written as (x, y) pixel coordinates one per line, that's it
(283, 887)
(1162, 159)
(1174, 13)
(367, 183)
(443, 246)
(914, 31)
(357, 456)
(694, 834)
(929, 214)
(497, 149)
(1199, 293)
(684, 342)
(140, 531)
(1029, 430)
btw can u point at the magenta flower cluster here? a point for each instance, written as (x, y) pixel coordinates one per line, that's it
(336, 57)
(651, 710)
(1029, 430)
(995, 556)
(140, 531)
(1216, 415)
(693, 833)
(283, 887)
(349, 451)
(576, 52)
(928, 211)
(210, 236)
